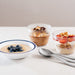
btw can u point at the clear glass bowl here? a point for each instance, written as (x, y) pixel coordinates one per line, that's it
(42, 40)
(65, 44)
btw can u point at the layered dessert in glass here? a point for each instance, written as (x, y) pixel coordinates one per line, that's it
(40, 34)
(65, 41)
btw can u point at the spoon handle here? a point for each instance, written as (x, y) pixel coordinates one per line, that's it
(65, 58)
(64, 61)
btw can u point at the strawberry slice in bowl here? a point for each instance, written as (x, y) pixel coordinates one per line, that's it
(71, 38)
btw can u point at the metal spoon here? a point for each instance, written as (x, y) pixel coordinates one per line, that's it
(48, 53)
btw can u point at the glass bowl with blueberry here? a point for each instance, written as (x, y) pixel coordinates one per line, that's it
(17, 49)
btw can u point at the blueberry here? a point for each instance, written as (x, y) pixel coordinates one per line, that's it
(11, 50)
(20, 50)
(20, 47)
(8, 48)
(11, 46)
(17, 46)
(15, 49)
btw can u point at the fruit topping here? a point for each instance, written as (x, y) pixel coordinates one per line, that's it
(64, 34)
(65, 37)
(39, 28)
(17, 48)
(39, 32)
(63, 41)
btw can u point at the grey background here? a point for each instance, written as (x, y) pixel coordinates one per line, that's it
(25, 12)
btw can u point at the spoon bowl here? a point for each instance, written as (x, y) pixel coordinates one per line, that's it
(45, 52)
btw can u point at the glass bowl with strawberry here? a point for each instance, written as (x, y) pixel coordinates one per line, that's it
(64, 41)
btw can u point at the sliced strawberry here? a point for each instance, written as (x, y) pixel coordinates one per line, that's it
(70, 39)
(58, 36)
(65, 37)
(71, 36)
(63, 41)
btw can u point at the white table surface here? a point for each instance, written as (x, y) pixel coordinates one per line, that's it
(34, 64)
